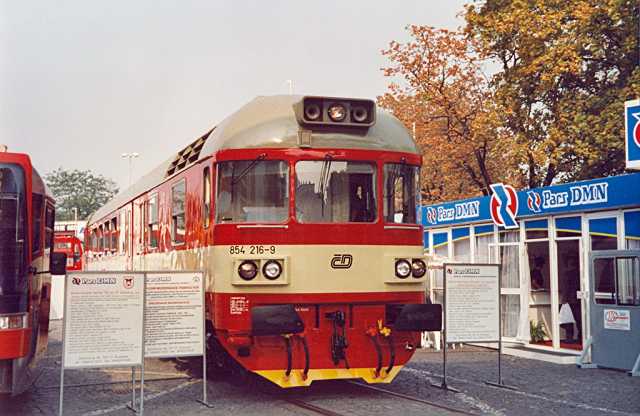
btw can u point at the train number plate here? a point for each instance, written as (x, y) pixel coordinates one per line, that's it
(252, 250)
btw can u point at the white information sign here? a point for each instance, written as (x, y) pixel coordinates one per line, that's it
(472, 302)
(619, 319)
(174, 310)
(103, 320)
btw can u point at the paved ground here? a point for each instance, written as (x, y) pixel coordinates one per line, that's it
(173, 388)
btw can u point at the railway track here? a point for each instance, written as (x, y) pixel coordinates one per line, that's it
(327, 412)
(407, 397)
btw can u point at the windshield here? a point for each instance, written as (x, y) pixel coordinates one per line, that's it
(252, 191)
(401, 193)
(12, 239)
(335, 191)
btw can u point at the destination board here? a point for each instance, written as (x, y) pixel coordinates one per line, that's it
(472, 302)
(174, 314)
(103, 319)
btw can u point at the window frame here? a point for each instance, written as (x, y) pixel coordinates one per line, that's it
(376, 192)
(152, 234)
(206, 197)
(417, 196)
(176, 214)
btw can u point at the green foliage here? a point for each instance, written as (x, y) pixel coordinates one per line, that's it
(79, 189)
(537, 331)
(566, 68)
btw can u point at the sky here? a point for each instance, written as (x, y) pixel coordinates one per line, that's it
(82, 82)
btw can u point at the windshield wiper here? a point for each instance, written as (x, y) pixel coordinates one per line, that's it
(325, 172)
(252, 165)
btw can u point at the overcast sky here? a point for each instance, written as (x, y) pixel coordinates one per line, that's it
(83, 81)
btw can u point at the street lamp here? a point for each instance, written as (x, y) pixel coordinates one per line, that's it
(290, 82)
(130, 156)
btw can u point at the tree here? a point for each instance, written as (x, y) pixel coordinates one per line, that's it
(566, 68)
(79, 189)
(444, 96)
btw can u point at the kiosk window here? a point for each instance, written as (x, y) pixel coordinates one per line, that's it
(628, 279)
(604, 270)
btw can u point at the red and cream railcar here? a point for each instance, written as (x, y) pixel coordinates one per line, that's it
(26, 236)
(66, 242)
(303, 213)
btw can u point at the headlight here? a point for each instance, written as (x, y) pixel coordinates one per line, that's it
(13, 321)
(247, 270)
(403, 268)
(337, 112)
(272, 270)
(418, 268)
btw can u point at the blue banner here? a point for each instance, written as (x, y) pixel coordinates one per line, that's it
(597, 194)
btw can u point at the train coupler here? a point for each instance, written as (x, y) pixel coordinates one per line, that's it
(339, 342)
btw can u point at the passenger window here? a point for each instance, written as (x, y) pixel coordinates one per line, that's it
(37, 202)
(106, 236)
(206, 197)
(50, 219)
(114, 234)
(152, 218)
(178, 224)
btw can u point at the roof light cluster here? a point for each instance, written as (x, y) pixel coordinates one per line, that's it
(330, 111)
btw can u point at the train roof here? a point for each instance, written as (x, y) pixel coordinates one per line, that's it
(265, 122)
(38, 186)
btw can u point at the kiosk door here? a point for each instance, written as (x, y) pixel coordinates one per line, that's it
(615, 308)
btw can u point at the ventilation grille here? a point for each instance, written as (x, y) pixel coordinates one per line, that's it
(188, 156)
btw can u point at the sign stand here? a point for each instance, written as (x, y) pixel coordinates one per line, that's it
(100, 282)
(443, 333)
(203, 401)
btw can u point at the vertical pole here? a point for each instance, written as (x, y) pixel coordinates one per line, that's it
(444, 332)
(61, 390)
(142, 389)
(133, 388)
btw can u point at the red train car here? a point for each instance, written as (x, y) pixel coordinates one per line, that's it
(27, 213)
(69, 244)
(302, 211)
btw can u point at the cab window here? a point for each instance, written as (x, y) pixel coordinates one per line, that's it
(335, 191)
(401, 193)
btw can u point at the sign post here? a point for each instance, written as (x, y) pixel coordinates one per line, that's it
(174, 316)
(472, 308)
(632, 133)
(103, 323)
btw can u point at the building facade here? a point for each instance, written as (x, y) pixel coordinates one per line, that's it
(542, 238)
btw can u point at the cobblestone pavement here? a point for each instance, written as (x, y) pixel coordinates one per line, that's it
(174, 386)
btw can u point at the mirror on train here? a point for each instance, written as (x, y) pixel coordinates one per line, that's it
(58, 264)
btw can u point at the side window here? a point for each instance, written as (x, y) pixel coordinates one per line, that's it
(152, 221)
(106, 237)
(178, 224)
(206, 197)
(37, 205)
(127, 230)
(100, 240)
(114, 234)
(50, 219)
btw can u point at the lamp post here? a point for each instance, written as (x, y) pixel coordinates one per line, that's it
(75, 213)
(130, 156)
(290, 82)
